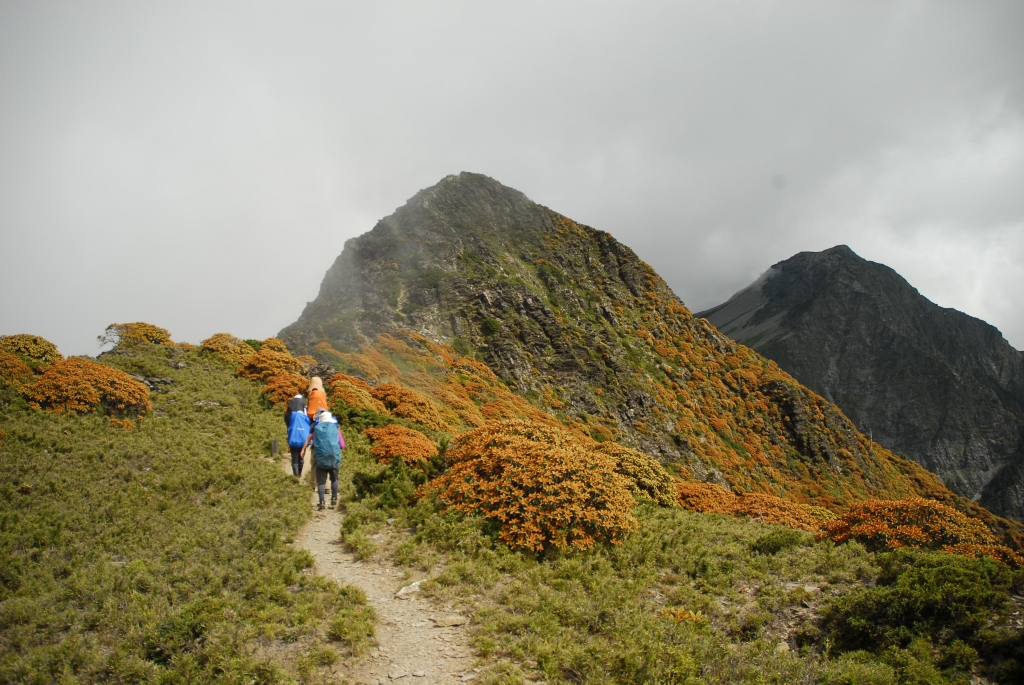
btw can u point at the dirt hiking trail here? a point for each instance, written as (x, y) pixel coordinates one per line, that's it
(418, 643)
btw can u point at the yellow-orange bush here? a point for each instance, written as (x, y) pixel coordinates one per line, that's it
(124, 424)
(544, 486)
(354, 393)
(138, 333)
(13, 371)
(394, 441)
(228, 347)
(648, 477)
(706, 498)
(282, 387)
(714, 499)
(79, 385)
(409, 404)
(916, 522)
(268, 362)
(772, 509)
(275, 345)
(31, 349)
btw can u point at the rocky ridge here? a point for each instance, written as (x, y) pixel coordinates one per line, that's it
(930, 383)
(573, 321)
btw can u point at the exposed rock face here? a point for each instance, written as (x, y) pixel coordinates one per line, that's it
(929, 383)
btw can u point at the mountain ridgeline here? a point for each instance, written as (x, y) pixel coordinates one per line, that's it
(575, 323)
(928, 382)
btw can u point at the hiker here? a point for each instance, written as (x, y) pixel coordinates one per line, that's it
(297, 422)
(317, 397)
(328, 442)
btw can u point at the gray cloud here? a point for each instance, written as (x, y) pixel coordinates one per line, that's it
(200, 166)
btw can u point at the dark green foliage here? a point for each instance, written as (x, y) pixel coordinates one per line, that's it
(778, 539)
(394, 484)
(953, 604)
(491, 326)
(254, 344)
(157, 554)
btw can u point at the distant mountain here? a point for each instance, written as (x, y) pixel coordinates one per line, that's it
(929, 383)
(575, 323)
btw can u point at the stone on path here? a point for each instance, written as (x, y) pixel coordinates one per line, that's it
(409, 590)
(446, 621)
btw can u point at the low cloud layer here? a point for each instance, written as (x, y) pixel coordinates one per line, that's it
(200, 166)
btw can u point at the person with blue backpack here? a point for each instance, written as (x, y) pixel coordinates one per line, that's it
(298, 424)
(328, 442)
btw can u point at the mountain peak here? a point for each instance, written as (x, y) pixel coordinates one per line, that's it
(931, 383)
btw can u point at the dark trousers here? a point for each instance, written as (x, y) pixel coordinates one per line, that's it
(321, 482)
(296, 460)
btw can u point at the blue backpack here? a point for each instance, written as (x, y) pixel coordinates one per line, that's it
(298, 429)
(326, 449)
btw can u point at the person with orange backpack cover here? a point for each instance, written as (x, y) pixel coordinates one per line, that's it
(317, 397)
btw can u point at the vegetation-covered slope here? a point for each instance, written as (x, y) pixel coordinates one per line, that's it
(160, 553)
(931, 383)
(573, 322)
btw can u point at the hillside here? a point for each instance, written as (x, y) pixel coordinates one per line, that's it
(573, 324)
(930, 383)
(153, 546)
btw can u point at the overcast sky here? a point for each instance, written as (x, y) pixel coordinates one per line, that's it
(200, 165)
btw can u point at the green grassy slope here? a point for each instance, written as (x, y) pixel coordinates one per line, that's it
(160, 554)
(698, 598)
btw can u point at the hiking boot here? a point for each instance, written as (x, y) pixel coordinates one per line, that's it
(320, 507)
(334, 502)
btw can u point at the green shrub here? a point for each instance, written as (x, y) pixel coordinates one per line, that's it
(926, 601)
(780, 538)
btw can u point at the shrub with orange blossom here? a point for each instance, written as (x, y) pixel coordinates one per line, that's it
(79, 385)
(543, 485)
(776, 510)
(911, 522)
(31, 349)
(228, 348)
(398, 442)
(13, 371)
(648, 477)
(408, 404)
(266, 363)
(354, 393)
(706, 498)
(714, 499)
(274, 345)
(131, 334)
(283, 386)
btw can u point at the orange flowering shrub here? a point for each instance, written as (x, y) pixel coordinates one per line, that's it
(714, 499)
(354, 393)
(409, 404)
(31, 349)
(274, 345)
(911, 522)
(394, 441)
(648, 477)
(138, 333)
(228, 347)
(706, 498)
(998, 552)
(267, 363)
(79, 385)
(125, 424)
(772, 509)
(543, 485)
(13, 371)
(282, 387)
